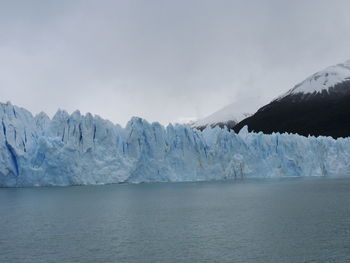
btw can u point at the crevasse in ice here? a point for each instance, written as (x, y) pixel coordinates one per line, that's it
(84, 149)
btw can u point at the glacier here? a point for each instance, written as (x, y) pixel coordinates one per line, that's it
(76, 149)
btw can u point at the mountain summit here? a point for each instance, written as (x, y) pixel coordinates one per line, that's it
(319, 105)
(228, 116)
(324, 81)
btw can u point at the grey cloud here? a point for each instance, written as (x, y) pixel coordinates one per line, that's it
(163, 60)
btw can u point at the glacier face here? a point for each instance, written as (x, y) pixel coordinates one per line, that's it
(84, 149)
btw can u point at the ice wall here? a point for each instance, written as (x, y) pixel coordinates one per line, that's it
(84, 149)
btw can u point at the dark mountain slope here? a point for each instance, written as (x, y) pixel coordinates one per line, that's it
(318, 106)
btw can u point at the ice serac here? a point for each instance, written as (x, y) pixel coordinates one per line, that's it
(76, 149)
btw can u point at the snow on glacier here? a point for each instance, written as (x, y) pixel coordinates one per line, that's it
(84, 149)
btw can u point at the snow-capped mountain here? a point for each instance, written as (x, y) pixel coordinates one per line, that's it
(319, 105)
(323, 81)
(75, 149)
(228, 116)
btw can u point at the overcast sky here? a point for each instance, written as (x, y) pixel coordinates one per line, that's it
(163, 60)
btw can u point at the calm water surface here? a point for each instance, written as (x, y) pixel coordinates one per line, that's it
(291, 220)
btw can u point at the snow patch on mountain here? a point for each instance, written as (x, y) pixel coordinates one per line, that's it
(322, 80)
(231, 113)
